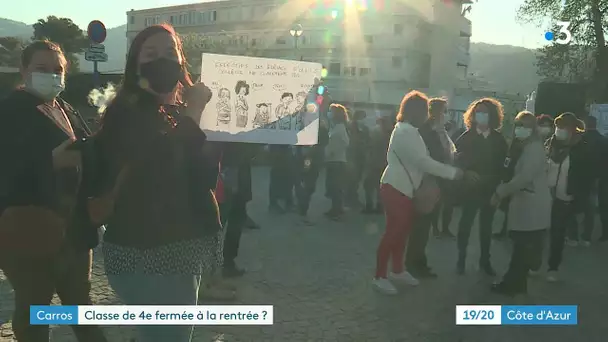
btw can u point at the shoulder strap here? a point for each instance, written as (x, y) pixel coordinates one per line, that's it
(405, 168)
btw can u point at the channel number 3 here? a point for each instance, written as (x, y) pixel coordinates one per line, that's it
(564, 34)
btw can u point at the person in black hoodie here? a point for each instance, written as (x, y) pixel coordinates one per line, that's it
(571, 169)
(481, 149)
(442, 149)
(45, 231)
(598, 147)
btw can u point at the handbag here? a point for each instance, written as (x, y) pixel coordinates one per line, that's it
(31, 231)
(427, 195)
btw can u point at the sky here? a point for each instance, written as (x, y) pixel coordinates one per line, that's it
(493, 21)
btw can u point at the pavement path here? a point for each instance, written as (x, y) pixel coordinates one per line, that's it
(318, 279)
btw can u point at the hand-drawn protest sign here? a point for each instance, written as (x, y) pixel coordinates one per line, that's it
(260, 100)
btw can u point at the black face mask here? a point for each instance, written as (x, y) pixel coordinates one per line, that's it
(162, 74)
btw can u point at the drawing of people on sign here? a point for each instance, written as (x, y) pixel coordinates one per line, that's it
(241, 108)
(262, 115)
(299, 109)
(224, 109)
(283, 112)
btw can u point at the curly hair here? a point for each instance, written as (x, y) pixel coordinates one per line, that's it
(496, 113)
(437, 106)
(339, 113)
(570, 122)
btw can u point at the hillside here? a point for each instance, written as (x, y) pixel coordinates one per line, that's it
(504, 68)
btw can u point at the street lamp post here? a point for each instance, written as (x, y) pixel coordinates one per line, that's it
(296, 32)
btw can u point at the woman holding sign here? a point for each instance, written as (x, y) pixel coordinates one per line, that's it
(162, 232)
(46, 236)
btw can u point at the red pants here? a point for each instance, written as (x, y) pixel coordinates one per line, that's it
(399, 212)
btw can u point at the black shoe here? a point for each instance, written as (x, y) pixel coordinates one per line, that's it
(460, 267)
(368, 210)
(425, 272)
(233, 272)
(251, 224)
(276, 209)
(503, 289)
(487, 269)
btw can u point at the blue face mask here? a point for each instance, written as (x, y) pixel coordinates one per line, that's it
(482, 118)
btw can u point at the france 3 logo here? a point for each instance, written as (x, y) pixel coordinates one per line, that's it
(563, 35)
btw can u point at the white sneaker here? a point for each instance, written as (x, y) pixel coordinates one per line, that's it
(383, 285)
(552, 276)
(404, 277)
(585, 243)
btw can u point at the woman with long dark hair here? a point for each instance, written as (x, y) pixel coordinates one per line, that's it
(46, 236)
(481, 149)
(335, 160)
(163, 231)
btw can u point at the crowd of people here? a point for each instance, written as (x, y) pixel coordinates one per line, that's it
(174, 204)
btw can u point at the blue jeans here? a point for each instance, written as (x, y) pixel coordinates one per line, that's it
(156, 289)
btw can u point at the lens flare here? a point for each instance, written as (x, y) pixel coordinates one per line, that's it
(321, 90)
(323, 73)
(334, 14)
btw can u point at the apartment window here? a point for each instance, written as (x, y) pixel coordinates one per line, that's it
(281, 41)
(350, 71)
(192, 18)
(254, 42)
(132, 20)
(397, 62)
(398, 29)
(364, 71)
(212, 16)
(303, 40)
(172, 20)
(334, 69)
(368, 39)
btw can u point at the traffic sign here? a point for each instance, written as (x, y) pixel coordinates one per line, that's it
(97, 48)
(97, 31)
(96, 56)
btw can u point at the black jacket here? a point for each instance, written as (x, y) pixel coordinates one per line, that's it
(27, 175)
(484, 156)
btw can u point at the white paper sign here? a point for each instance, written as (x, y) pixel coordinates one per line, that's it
(600, 112)
(260, 100)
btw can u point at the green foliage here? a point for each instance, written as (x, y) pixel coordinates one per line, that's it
(585, 58)
(10, 51)
(195, 45)
(64, 32)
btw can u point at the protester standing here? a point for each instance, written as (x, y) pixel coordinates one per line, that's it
(408, 161)
(570, 181)
(481, 149)
(46, 234)
(162, 232)
(376, 163)
(335, 160)
(529, 212)
(442, 149)
(358, 133)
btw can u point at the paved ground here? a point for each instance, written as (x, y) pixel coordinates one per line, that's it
(318, 279)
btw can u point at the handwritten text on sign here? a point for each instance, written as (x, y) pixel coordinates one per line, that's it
(260, 100)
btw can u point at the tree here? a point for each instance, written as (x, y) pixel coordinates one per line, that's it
(586, 57)
(195, 45)
(64, 32)
(10, 51)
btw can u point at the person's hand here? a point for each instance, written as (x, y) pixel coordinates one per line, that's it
(64, 157)
(459, 174)
(495, 200)
(471, 176)
(197, 97)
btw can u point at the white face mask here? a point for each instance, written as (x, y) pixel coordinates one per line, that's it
(47, 86)
(482, 119)
(522, 132)
(544, 130)
(561, 134)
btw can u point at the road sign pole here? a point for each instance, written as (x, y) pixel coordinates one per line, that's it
(95, 75)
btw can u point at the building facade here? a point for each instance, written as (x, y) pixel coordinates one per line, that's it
(374, 52)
